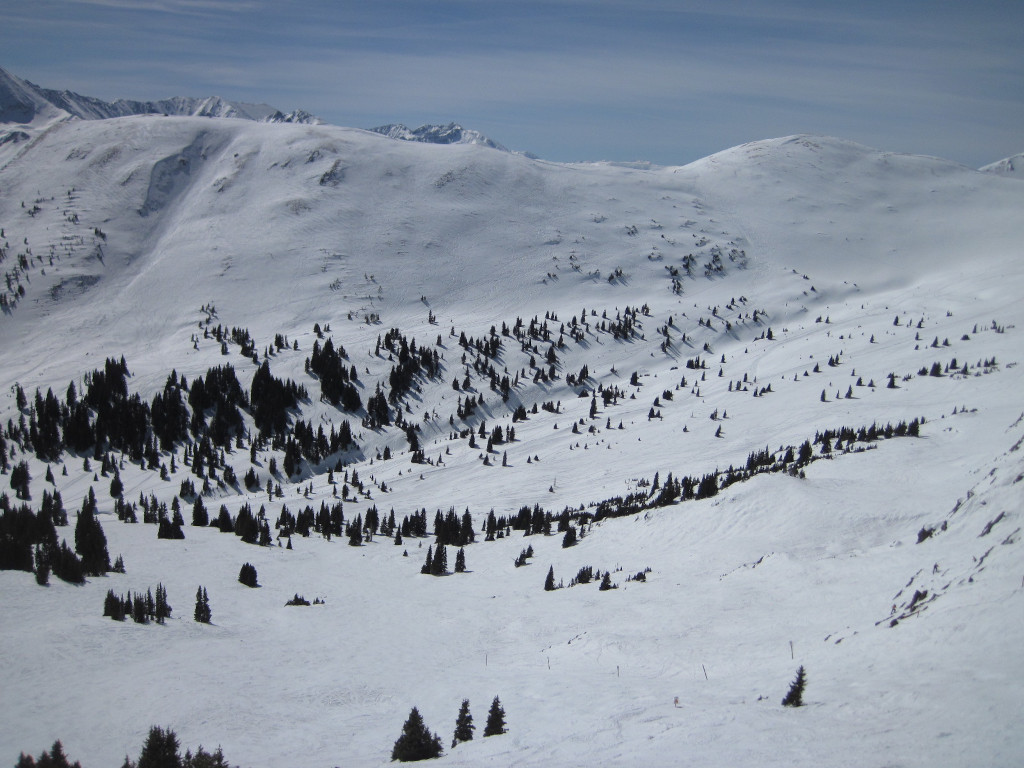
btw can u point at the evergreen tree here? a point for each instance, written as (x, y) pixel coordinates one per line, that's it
(204, 759)
(116, 486)
(247, 575)
(160, 750)
(416, 741)
(549, 582)
(428, 565)
(55, 758)
(162, 608)
(66, 565)
(20, 479)
(495, 719)
(202, 612)
(200, 517)
(795, 696)
(460, 560)
(90, 542)
(439, 566)
(113, 606)
(355, 532)
(463, 724)
(139, 613)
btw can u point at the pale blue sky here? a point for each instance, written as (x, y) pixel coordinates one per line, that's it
(658, 80)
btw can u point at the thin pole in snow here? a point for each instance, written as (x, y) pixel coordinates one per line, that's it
(791, 649)
(705, 671)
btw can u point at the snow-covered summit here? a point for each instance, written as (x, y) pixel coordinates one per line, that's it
(452, 133)
(22, 101)
(1010, 167)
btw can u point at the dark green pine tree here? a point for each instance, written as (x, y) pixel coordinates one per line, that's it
(55, 758)
(463, 724)
(160, 750)
(116, 486)
(439, 566)
(163, 609)
(495, 719)
(416, 741)
(428, 565)
(202, 612)
(355, 532)
(90, 542)
(42, 559)
(460, 560)
(113, 606)
(795, 696)
(247, 575)
(549, 582)
(139, 615)
(200, 517)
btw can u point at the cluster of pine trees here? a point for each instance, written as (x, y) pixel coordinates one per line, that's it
(337, 381)
(140, 608)
(204, 415)
(160, 750)
(417, 742)
(29, 541)
(436, 563)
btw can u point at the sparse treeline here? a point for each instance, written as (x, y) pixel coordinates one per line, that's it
(28, 541)
(416, 742)
(791, 459)
(160, 750)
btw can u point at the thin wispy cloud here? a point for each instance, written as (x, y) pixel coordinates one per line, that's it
(665, 80)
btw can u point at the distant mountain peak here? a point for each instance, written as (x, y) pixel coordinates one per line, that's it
(23, 102)
(452, 133)
(1010, 167)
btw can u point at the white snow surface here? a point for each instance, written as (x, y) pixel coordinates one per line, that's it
(130, 226)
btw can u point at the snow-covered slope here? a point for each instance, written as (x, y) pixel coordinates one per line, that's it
(437, 134)
(744, 303)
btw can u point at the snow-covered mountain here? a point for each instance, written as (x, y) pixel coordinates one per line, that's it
(451, 133)
(1012, 167)
(627, 324)
(24, 102)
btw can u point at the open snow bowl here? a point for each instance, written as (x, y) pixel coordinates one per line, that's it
(868, 260)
